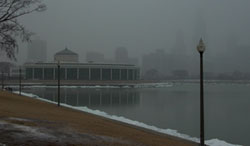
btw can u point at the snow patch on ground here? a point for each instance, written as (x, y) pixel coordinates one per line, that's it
(29, 131)
(19, 119)
(212, 142)
(33, 132)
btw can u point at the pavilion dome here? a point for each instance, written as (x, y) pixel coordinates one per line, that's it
(66, 51)
(66, 55)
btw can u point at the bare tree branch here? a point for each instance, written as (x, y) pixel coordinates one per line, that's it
(10, 28)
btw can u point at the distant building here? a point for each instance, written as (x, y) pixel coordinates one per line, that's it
(94, 57)
(66, 55)
(15, 72)
(5, 67)
(121, 55)
(71, 69)
(200, 26)
(178, 56)
(134, 61)
(37, 51)
(81, 71)
(158, 61)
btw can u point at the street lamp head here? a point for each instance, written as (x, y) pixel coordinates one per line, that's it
(201, 46)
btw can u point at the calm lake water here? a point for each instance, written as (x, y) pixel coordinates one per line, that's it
(227, 107)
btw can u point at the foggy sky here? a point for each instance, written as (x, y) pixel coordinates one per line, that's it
(139, 25)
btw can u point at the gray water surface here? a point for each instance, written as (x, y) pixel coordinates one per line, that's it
(227, 107)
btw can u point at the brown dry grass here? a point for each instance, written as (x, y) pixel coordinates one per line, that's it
(12, 105)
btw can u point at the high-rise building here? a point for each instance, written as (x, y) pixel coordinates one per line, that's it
(178, 55)
(121, 55)
(157, 60)
(37, 51)
(94, 57)
(200, 26)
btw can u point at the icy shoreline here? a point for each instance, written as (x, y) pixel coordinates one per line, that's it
(212, 142)
(137, 85)
(144, 85)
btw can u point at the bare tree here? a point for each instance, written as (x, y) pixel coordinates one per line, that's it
(11, 28)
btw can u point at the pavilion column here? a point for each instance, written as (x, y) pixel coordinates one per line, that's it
(77, 71)
(66, 73)
(133, 74)
(89, 73)
(54, 73)
(43, 74)
(100, 73)
(127, 74)
(33, 72)
(120, 74)
(111, 75)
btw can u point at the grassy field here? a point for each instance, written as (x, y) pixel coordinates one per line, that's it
(52, 125)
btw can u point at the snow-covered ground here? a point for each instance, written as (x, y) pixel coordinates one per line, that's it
(19, 131)
(212, 142)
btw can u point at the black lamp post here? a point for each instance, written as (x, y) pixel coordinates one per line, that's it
(20, 81)
(2, 80)
(58, 89)
(201, 48)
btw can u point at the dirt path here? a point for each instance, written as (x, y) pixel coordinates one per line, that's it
(28, 121)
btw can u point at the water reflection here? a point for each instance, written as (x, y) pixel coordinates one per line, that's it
(91, 97)
(175, 107)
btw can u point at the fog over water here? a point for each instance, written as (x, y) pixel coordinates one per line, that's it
(143, 26)
(175, 106)
(160, 36)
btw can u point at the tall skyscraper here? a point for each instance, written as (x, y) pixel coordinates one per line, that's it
(157, 60)
(92, 56)
(178, 55)
(121, 55)
(37, 51)
(200, 26)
